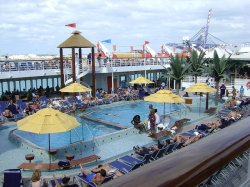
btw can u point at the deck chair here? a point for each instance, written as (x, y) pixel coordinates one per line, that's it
(13, 178)
(123, 167)
(169, 148)
(178, 145)
(131, 160)
(146, 158)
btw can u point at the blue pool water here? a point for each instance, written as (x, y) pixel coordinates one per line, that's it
(122, 115)
(87, 131)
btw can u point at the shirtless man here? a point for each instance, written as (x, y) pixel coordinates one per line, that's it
(97, 178)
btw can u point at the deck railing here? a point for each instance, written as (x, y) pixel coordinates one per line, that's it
(27, 65)
(193, 164)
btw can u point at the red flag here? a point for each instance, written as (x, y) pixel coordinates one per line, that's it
(71, 25)
(146, 42)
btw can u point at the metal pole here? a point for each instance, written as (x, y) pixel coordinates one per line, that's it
(49, 153)
(61, 72)
(70, 137)
(93, 70)
(73, 66)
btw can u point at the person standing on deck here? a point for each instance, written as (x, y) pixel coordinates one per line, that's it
(241, 91)
(152, 120)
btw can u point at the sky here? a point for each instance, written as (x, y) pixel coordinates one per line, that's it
(38, 26)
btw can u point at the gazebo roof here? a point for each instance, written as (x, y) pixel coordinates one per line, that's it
(76, 41)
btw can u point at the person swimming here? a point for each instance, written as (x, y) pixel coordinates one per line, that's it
(109, 114)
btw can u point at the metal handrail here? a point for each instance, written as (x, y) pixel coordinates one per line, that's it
(28, 65)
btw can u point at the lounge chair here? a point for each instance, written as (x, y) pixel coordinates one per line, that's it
(13, 178)
(132, 160)
(123, 167)
(146, 158)
(169, 148)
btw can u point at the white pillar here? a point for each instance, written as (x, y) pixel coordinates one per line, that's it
(174, 84)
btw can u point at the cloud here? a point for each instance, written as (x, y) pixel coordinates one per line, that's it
(127, 23)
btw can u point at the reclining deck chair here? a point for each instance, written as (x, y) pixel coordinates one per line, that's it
(13, 178)
(132, 160)
(123, 167)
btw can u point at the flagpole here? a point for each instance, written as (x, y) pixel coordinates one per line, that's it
(145, 60)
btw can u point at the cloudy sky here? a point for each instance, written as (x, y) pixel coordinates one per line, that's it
(38, 26)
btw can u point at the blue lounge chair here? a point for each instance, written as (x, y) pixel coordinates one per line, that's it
(13, 178)
(132, 160)
(123, 167)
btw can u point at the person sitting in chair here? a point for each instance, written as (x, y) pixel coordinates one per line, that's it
(137, 123)
(7, 113)
(97, 178)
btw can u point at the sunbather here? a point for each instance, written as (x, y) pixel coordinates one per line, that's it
(7, 113)
(193, 139)
(141, 150)
(97, 178)
(109, 170)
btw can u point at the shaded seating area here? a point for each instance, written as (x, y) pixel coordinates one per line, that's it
(55, 166)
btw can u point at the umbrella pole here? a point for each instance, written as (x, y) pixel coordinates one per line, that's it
(82, 132)
(70, 137)
(164, 112)
(200, 105)
(207, 97)
(49, 153)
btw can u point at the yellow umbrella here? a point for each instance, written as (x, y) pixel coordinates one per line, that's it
(202, 88)
(141, 80)
(164, 96)
(47, 121)
(74, 88)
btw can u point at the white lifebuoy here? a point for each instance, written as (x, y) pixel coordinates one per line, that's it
(248, 85)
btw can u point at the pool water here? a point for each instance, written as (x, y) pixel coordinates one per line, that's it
(86, 131)
(123, 114)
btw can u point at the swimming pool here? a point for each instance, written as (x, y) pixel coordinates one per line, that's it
(87, 131)
(121, 114)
